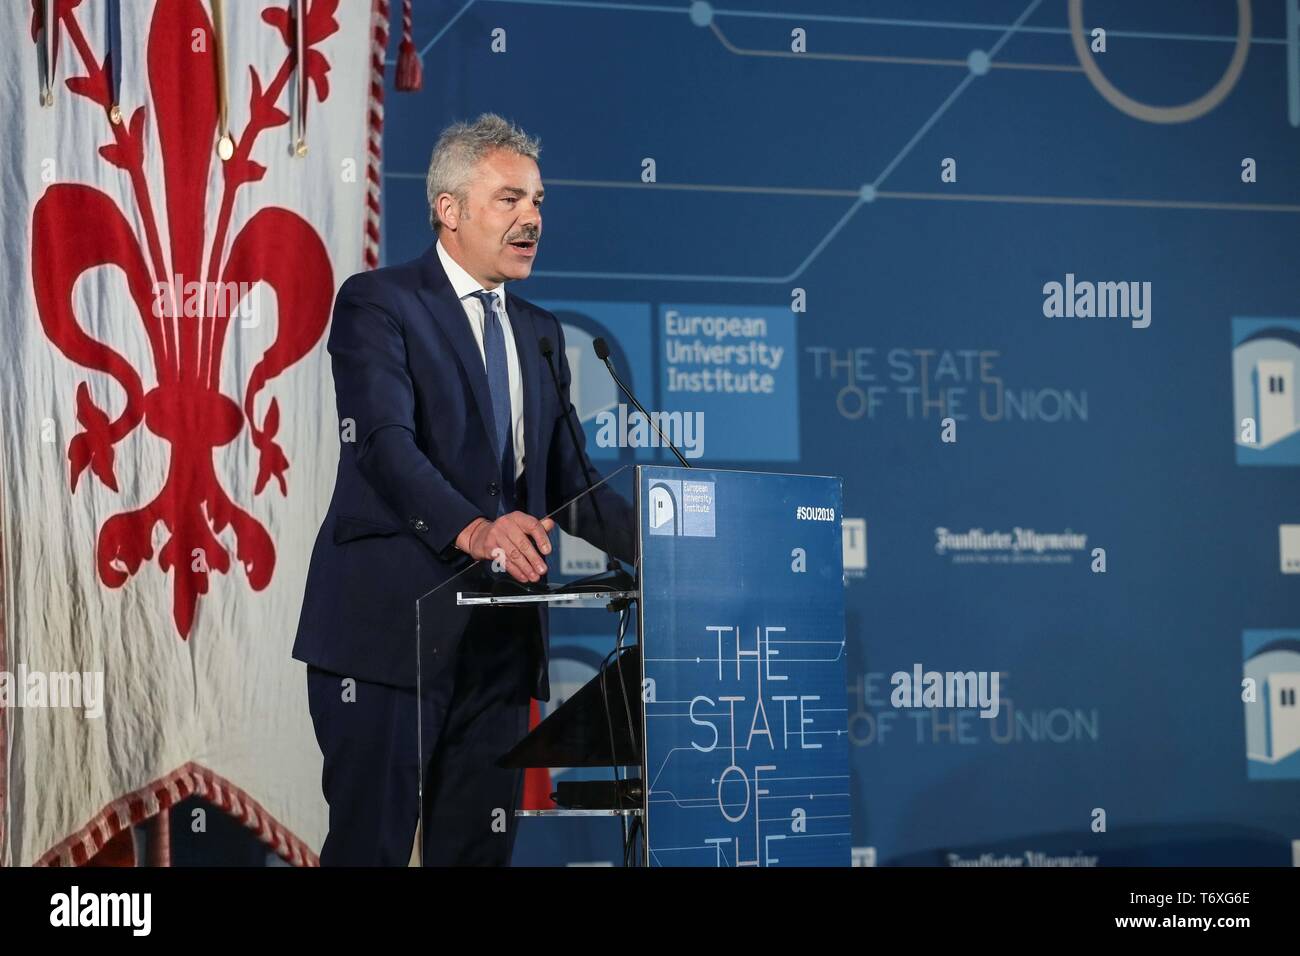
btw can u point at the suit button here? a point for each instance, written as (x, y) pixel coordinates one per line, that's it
(419, 525)
(493, 488)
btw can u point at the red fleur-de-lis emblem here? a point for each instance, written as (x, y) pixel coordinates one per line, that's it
(181, 399)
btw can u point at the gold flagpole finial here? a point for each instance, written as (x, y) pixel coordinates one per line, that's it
(225, 144)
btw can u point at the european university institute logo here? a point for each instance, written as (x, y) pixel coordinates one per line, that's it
(729, 365)
(1271, 691)
(683, 508)
(1266, 419)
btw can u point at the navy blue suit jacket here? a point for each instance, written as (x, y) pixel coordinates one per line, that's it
(420, 466)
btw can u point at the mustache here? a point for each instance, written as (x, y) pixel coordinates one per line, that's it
(528, 235)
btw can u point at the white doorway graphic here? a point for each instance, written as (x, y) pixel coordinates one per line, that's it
(1274, 382)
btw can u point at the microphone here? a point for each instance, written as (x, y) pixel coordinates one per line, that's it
(602, 353)
(615, 577)
(619, 577)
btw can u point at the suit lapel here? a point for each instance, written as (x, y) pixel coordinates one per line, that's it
(440, 299)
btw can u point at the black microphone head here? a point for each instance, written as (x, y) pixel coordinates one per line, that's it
(547, 349)
(602, 349)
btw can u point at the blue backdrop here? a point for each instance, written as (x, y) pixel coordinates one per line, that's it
(872, 225)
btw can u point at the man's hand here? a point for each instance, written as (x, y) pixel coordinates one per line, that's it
(515, 538)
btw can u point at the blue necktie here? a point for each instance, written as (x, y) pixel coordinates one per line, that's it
(498, 376)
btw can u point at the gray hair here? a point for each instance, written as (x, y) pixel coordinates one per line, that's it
(458, 151)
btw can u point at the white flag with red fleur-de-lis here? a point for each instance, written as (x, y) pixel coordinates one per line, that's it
(186, 184)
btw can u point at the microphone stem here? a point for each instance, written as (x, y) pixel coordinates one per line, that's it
(671, 447)
(611, 562)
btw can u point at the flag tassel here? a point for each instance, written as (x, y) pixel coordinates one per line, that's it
(409, 71)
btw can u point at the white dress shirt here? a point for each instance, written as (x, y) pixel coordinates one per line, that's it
(465, 286)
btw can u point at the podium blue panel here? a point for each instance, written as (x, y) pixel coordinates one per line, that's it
(742, 636)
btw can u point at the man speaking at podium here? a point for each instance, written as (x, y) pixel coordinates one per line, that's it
(453, 444)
